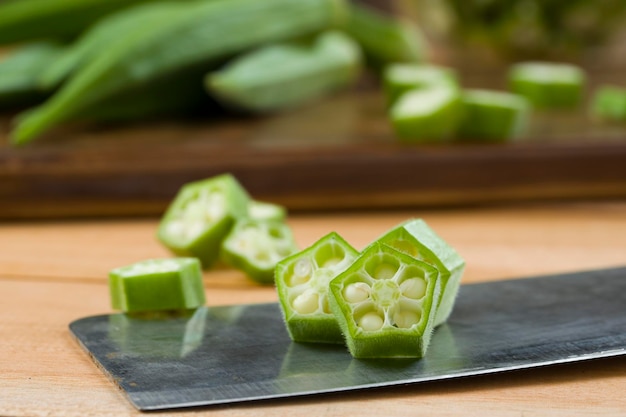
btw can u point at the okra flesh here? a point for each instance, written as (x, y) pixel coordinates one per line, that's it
(302, 282)
(256, 246)
(157, 285)
(262, 210)
(399, 78)
(385, 303)
(416, 239)
(201, 216)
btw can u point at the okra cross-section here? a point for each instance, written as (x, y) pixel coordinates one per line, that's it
(302, 283)
(201, 216)
(385, 304)
(415, 238)
(256, 246)
(157, 285)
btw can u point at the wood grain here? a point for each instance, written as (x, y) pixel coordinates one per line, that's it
(54, 272)
(339, 153)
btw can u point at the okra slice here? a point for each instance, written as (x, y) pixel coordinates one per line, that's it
(256, 246)
(426, 115)
(261, 210)
(492, 115)
(302, 284)
(385, 303)
(399, 78)
(609, 103)
(415, 238)
(157, 285)
(201, 216)
(548, 85)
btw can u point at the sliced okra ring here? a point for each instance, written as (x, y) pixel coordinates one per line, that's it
(385, 304)
(256, 246)
(548, 84)
(157, 285)
(262, 210)
(399, 78)
(201, 216)
(302, 283)
(426, 115)
(492, 115)
(415, 238)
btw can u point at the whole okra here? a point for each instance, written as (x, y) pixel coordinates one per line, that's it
(29, 20)
(201, 33)
(286, 75)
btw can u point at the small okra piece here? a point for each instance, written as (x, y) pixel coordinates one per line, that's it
(201, 215)
(157, 285)
(609, 103)
(426, 114)
(302, 283)
(256, 246)
(262, 210)
(398, 78)
(415, 238)
(490, 115)
(385, 303)
(548, 84)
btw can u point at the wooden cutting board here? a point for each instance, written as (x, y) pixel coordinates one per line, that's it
(335, 154)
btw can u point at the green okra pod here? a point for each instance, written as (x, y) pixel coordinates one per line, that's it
(202, 32)
(286, 75)
(29, 20)
(19, 73)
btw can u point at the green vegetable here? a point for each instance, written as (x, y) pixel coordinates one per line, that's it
(262, 210)
(548, 85)
(385, 303)
(302, 282)
(256, 246)
(201, 215)
(492, 115)
(157, 284)
(199, 33)
(28, 20)
(400, 78)
(609, 103)
(101, 34)
(286, 75)
(20, 70)
(385, 39)
(426, 115)
(415, 238)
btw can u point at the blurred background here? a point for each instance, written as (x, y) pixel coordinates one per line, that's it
(108, 107)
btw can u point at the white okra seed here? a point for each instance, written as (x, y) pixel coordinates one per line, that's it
(306, 303)
(406, 318)
(356, 292)
(414, 288)
(371, 322)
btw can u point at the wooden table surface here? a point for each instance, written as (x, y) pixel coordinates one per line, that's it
(52, 273)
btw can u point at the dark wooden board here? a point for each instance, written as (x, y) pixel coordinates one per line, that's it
(338, 153)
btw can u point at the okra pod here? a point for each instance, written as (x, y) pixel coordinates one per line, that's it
(286, 75)
(263, 210)
(195, 35)
(157, 285)
(386, 39)
(302, 282)
(30, 20)
(201, 216)
(400, 78)
(19, 73)
(256, 246)
(385, 303)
